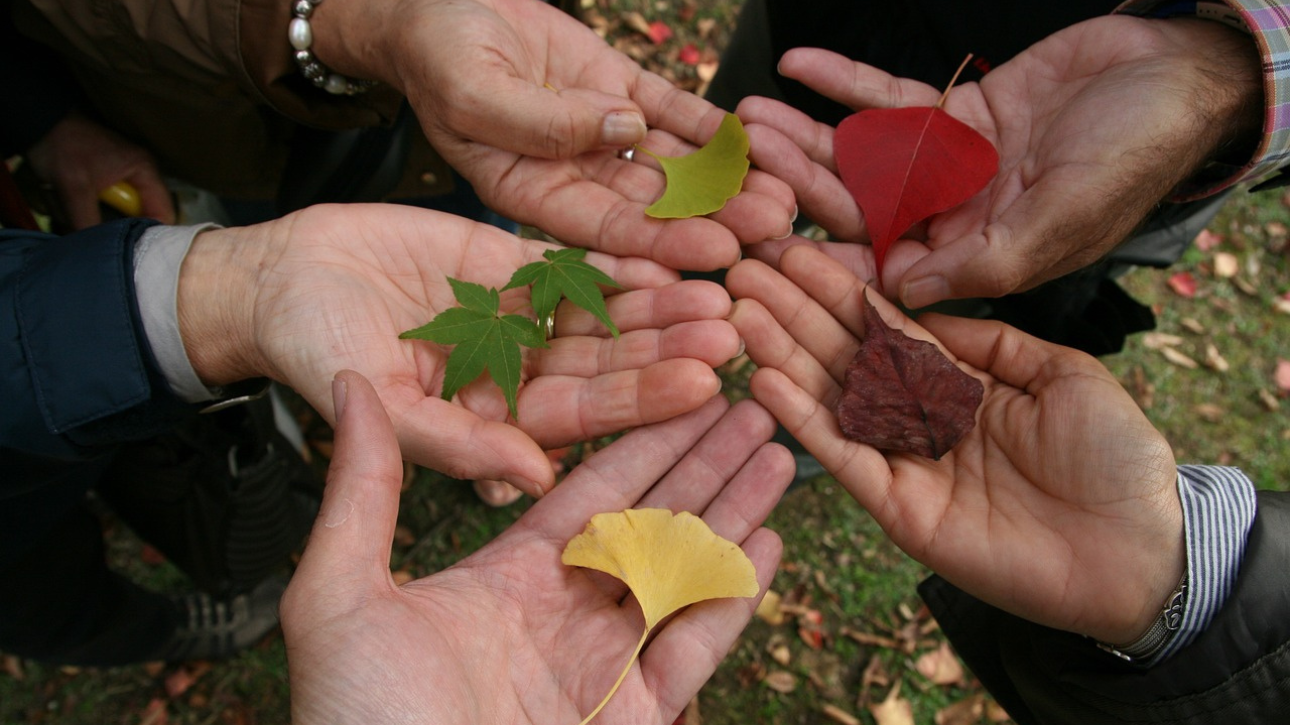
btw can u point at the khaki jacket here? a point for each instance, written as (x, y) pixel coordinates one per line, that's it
(209, 86)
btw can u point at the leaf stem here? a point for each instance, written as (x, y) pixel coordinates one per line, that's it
(639, 646)
(962, 65)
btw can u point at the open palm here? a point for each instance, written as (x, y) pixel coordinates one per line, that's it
(1094, 126)
(510, 634)
(1060, 506)
(333, 286)
(514, 95)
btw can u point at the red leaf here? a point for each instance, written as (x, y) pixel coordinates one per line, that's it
(903, 165)
(1282, 376)
(1183, 284)
(659, 32)
(689, 55)
(904, 395)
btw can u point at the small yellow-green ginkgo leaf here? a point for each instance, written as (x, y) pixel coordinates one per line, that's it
(668, 561)
(703, 181)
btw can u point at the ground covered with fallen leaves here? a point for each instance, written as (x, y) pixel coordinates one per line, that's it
(843, 637)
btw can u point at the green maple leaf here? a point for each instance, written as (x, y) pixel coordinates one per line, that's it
(565, 274)
(483, 339)
(703, 181)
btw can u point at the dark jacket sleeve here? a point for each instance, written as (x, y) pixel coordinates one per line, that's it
(1236, 671)
(77, 375)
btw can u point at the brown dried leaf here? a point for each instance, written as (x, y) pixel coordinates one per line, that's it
(838, 715)
(904, 395)
(873, 640)
(1269, 400)
(1179, 359)
(963, 712)
(778, 649)
(637, 22)
(1210, 412)
(1214, 360)
(1160, 340)
(940, 666)
(1192, 325)
(769, 611)
(893, 710)
(13, 667)
(1226, 265)
(781, 681)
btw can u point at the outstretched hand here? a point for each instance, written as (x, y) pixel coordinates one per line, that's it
(80, 158)
(532, 107)
(331, 287)
(510, 634)
(1095, 125)
(1060, 506)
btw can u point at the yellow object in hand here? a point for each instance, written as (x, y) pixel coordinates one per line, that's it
(123, 197)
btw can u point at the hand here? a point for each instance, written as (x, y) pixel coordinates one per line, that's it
(331, 287)
(511, 635)
(1060, 506)
(532, 107)
(1094, 126)
(81, 158)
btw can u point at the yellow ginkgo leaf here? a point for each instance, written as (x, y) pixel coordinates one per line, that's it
(703, 181)
(668, 560)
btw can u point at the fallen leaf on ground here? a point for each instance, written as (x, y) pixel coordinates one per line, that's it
(1178, 358)
(778, 649)
(1210, 412)
(1159, 340)
(1207, 240)
(903, 395)
(769, 611)
(838, 715)
(810, 628)
(1282, 376)
(963, 712)
(940, 666)
(1226, 265)
(781, 681)
(659, 32)
(689, 54)
(1192, 325)
(893, 710)
(703, 181)
(1214, 360)
(637, 22)
(1183, 284)
(669, 561)
(1269, 400)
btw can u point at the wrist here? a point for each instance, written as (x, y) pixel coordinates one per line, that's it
(1226, 83)
(215, 302)
(349, 38)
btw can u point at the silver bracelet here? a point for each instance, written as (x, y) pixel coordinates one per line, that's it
(1160, 633)
(301, 37)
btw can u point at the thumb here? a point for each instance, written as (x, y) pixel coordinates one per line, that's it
(351, 539)
(554, 123)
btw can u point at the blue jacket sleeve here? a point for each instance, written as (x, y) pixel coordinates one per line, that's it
(77, 375)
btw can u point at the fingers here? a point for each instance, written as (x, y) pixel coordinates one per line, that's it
(449, 438)
(687, 649)
(711, 341)
(733, 465)
(1008, 354)
(349, 547)
(560, 410)
(154, 198)
(616, 477)
(686, 301)
(853, 84)
(819, 192)
(533, 120)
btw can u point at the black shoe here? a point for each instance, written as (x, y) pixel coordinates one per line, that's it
(211, 628)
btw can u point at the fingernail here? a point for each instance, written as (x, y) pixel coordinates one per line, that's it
(924, 291)
(794, 217)
(787, 233)
(622, 129)
(742, 347)
(339, 390)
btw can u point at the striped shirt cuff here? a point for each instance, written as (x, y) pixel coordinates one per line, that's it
(1218, 509)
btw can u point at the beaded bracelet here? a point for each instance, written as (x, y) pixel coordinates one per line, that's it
(301, 36)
